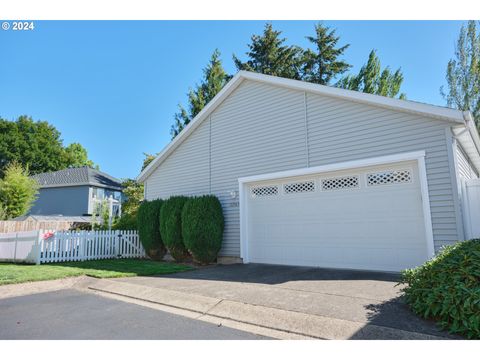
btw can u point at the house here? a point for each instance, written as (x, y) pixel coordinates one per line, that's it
(320, 176)
(75, 192)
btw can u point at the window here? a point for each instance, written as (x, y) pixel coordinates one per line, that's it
(264, 190)
(299, 187)
(389, 177)
(345, 182)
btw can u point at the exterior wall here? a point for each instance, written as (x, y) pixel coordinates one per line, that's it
(262, 128)
(67, 201)
(465, 168)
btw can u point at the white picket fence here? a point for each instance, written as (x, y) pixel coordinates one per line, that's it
(74, 246)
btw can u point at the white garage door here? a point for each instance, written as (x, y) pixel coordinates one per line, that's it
(366, 218)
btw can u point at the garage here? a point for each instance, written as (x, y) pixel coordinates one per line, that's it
(367, 218)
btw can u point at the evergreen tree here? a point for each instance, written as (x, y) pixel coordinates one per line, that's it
(322, 65)
(269, 55)
(214, 79)
(373, 80)
(463, 73)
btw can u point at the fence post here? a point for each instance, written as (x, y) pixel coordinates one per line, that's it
(39, 247)
(15, 248)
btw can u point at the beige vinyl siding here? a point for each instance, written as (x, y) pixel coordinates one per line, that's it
(465, 168)
(262, 128)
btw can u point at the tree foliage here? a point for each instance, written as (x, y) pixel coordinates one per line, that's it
(463, 73)
(213, 80)
(148, 159)
(322, 65)
(372, 79)
(171, 227)
(37, 145)
(202, 227)
(18, 191)
(133, 193)
(77, 156)
(268, 54)
(149, 228)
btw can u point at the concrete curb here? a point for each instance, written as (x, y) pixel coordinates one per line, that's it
(285, 324)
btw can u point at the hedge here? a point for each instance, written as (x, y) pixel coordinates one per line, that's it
(447, 288)
(148, 217)
(202, 227)
(171, 227)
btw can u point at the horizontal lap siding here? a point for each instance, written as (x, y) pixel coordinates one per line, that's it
(185, 171)
(258, 129)
(342, 131)
(465, 168)
(261, 129)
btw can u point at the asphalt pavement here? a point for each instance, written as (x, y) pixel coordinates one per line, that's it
(71, 315)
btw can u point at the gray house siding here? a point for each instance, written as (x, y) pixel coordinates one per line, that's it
(465, 169)
(262, 128)
(67, 201)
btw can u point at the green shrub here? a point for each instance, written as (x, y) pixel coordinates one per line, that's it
(202, 227)
(125, 222)
(171, 227)
(447, 288)
(148, 217)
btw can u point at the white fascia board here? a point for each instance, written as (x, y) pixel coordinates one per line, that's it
(202, 115)
(414, 155)
(428, 110)
(468, 138)
(431, 111)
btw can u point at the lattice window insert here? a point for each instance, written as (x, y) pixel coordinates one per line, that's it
(299, 187)
(346, 182)
(264, 191)
(389, 177)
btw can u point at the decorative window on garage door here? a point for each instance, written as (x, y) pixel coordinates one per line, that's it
(389, 177)
(258, 191)
(345, 182)
(299, 187)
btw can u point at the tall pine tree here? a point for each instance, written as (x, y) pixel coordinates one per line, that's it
(322, 65)
(463, 73)
(214, 79)
(269, 55)
(373, 80)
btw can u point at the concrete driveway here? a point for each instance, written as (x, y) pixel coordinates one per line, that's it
(319, 303)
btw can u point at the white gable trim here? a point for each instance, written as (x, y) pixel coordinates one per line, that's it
(436, 112)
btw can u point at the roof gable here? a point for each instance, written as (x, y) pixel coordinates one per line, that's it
(431, 111)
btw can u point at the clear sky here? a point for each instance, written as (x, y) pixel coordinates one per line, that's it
(114, 86)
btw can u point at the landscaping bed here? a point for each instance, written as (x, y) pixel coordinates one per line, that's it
(109, 268)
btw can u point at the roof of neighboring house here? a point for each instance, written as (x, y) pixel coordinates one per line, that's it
(77, 219)
(456, 117)
(77, 176)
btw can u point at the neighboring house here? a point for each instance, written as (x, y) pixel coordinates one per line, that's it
(74, 192)
(320, 176)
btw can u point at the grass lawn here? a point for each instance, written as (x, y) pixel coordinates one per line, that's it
(109, 268)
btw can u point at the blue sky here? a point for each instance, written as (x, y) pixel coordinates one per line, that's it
(114, 86)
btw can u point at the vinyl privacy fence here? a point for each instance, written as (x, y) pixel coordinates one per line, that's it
(46, 246)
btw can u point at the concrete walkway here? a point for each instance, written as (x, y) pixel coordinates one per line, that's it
(294, 302)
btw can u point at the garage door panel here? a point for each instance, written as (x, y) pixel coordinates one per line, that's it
(376, 227)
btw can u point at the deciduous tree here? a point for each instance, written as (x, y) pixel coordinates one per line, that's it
(463, 73)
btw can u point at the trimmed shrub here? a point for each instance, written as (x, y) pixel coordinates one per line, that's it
(148, 217)
(447, 288)
(202, 227)
(125, 222)
(171, 227)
